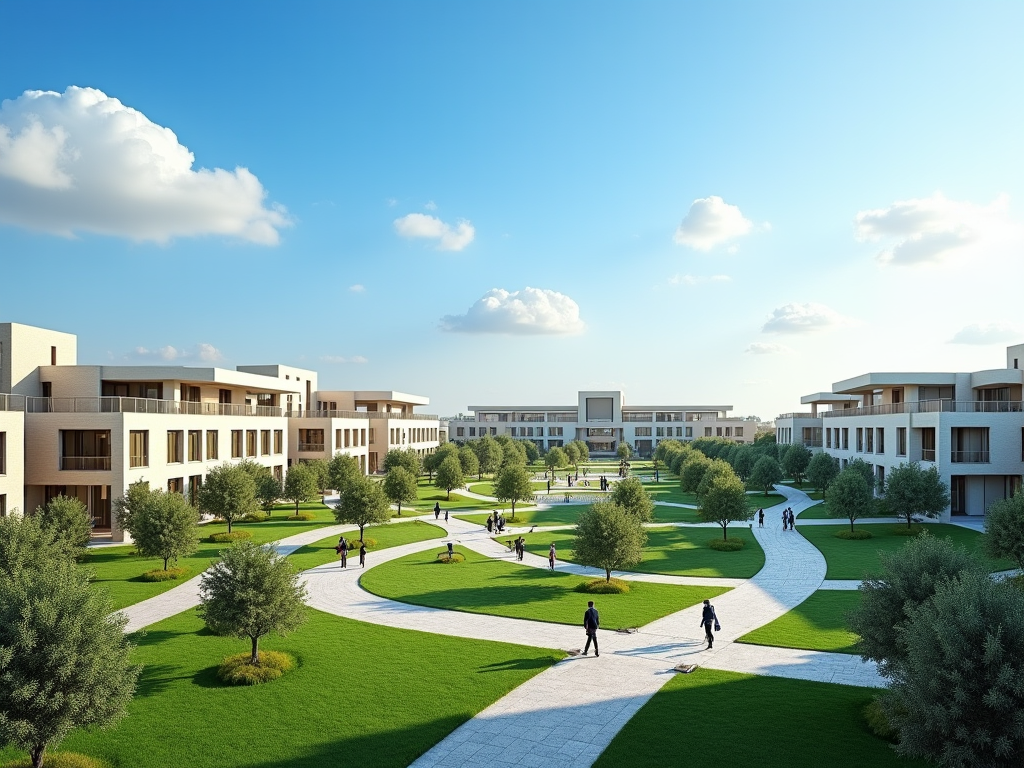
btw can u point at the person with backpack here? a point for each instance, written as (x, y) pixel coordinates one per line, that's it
(709, 620)
(591, 621)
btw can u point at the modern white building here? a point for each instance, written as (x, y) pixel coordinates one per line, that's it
(969, 426)
(602, 420)
(91, 430)
(804, 427)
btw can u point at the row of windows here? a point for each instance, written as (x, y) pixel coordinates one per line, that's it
(3, 453)
(247, 442)
(401, 435)
(177, 484)
(314, 440)
(461, 431)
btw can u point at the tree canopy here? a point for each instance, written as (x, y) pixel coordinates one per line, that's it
(1004, 530)
(822, 470)
(363, 503)
(724, 501)
(469, 461)
(161, 524)
(631, 496)
(624, 450)
(531, 450)
(228, 492)
(691, 471)
(609, 538)
(489, 452)
(403, 457)
(299, 485)
(556, 457)
(795, 461)
(851, 497)
(399, 486)
(910, 491)
(765, 474)
(67, 519)
(433, 460)
(449, 475)
(513, 485)
(341, 470)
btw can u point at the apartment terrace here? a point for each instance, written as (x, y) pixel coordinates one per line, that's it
(359, 415)
(12, 402)
(930, 406)
(144, 405)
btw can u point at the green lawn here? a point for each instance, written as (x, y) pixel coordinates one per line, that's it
(390, 535)
(484, 585)
(561, 515)
(674, 551)
(118, 569)
(817, 624)
(859, 559)
(429, 495)
(486, 488)
(672, 493)
(730, 720)
(820, 511)
(347, 702)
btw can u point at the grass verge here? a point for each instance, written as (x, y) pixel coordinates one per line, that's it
(817, 624)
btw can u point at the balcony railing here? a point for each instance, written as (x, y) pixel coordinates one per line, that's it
(361, 415)
(807, 415)
(927, 454)
(144, 405)
(311, 447)
(969, 457)
(634, 417)
(12, 402)
(932, 406)
(563, 417)
(85, 463)
(812, 443)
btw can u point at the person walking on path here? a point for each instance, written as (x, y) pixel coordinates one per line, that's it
(490, 524)
(760, 518)
(785, 519)
(792, 519)
(709, 620)
(362, 554)
(437, 509)
(551, 556)
(446, 515)
(591, 621)
(343, 551)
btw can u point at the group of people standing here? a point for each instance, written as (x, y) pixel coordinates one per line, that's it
(788, 518)
(343, 549)
(495, 522)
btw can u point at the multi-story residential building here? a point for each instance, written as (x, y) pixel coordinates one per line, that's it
(602, 420)
(804, 428)
(91, 430)
(969, 426)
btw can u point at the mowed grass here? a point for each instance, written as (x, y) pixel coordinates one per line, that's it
(817, 624)
(672, 493)
(486, 488)
(673, 551)
(732, 720)
(119, 569)
(361, 695)
(820, 511)
(389, 535)
(565, 514)
(428, 495)
(859, 559)
(501, 588)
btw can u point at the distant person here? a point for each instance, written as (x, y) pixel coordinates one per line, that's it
(551, 556)
(362, 554)
(591, 621)
(785, 519)
(343, 551)
(437, 509)
(760, 518)
(792, 519)
(451, 550)
(446, 515)
(490, 524)
(549, 486)
(709, 620)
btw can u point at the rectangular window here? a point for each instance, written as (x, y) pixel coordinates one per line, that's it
(472, 431)
(3, 453)
(689, 432)
(828, 437)
(3, 505)
(176, 485)
(371, 435)
(880, 440)
(348, 437)
(279, 473)
(718, 431)
(870, 440)
(195, 445)
(175, 446)
(194, 481)
(901, 441)
(928, 444)
(728, 431)
(860, 440)
(311, 440)
(846, 438)
(224, 396)
(211, 444)
(555, 431)
(707, 431)
(659, 431)
(264, 442)
(236, 443)
(250, 442)
(460, 432)
(138, 448)
(739, 431)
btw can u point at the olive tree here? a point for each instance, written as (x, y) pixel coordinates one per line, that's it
(449, 475)
(251, 592)
(228, 492)
(1004, 530)
(399, 486)
(851, 497)
(555, 458)
(609, 538)
(162, 525)
(632, 497)
(341, 470)
(910, 491)
(469, 461)
(489, 453)
(724, 501)
(299, 485)
(795, 462)
(822, 470)
(765, 474)
(624, 450)
(408, 458)
(363, 503)
(512, 485)
(67, 518)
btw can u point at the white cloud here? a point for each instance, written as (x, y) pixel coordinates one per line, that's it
(206, 353)
(432, 228)
(83, 162)
(933, 229)
(431, 205)
(803, 318)
(392, 202)
(711, 221)
(690, 280)
(339, 359)
(357, 288)
(531, 311)
(987, 333)
(767, 348)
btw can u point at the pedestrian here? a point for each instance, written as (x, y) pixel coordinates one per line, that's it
(451, 550)
(437, 509)
(591, 621)
(446, 515)
(362, 554)
(549, 486)
(343, 549)
(709, 620)
(760, 518)
(490, 524)
(785, 519)
(792, 519)
(551, 556)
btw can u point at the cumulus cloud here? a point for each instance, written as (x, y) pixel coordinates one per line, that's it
(339, 359)
(357, 288)
(81, 161)
(711, 221)
(449, 238)
(531, 311)
(689, 280)
(767, 348)
(206, 353)
(987, 333)
(803, 318)
(934, 229)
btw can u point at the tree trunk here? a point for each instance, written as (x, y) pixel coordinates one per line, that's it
(449, 494)
(851, 525)
(725, 532)
(229, 525)
(296, 507)
(513, 509)
(255, 650)
(360, 534)
(908, 521)
(37, 755)
(608, 574)
(399, 509)
(165, 562)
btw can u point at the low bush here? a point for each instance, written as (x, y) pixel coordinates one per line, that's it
(902, 530)
(602, 587)
(443, 557)
(1016, 581)
(253, 517)
(303, 516)
(61, 760)
(727, 545)
(158, 574)
(876, 720)
(238, 669)
(227, 538)
(354, 543)
(859, 534)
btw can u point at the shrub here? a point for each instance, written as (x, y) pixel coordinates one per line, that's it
(238, 669)
(252, 517)
(157, 574)
(354, 544)
(902, 530)
(856, 535)
(602, 587)
(443, 557)
(302, 516)
(722, 545)
(877, 721)
(61, 760)
(227, 538)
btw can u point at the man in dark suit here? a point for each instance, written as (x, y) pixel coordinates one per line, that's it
(591, 621)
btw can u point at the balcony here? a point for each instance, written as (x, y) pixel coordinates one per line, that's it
(932, 406)
(365, 415)
(969, 457)
(796, 416)
(311, 447)
(638, 416)
(12, 402)
(927, 454)
(562, 417)
(809, 443)
(144, 405)
(85, 463)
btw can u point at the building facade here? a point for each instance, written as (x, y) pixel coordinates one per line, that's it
(603, 421)
(90, 431)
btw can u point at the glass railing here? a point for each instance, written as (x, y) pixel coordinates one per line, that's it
(85, 463)
(932, 406)
(144, 405)
(969, 457)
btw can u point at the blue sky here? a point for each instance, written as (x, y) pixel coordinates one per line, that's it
(715, 203)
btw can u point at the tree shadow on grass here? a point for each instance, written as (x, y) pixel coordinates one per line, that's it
(503, 666)
(156, 678)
